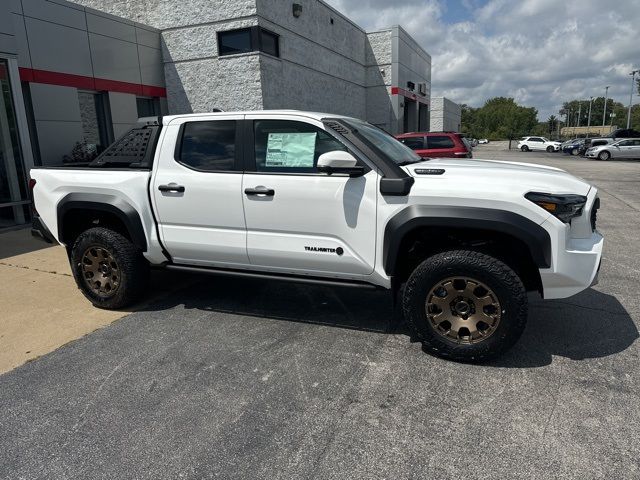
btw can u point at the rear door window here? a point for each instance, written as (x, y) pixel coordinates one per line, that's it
(414, 143)
(209, 146)
(440, 141)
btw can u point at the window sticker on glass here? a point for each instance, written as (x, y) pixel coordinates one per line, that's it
(291, 149)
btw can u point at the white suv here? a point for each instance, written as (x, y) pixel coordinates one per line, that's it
(538, 143)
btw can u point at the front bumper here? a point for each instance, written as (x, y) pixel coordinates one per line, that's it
(40, 230)
(575, 267)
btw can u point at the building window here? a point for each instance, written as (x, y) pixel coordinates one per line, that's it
(243, 40)
(148, 107)
(269, 43)
(97, 132)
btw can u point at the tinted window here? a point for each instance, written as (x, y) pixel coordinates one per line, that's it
(234, 41)
(625, 143)
(209, 146)
(440, 142)
(248, 40)
(598, 143)
(289, 146)
(269, 43)
(148, 107)
(414, 143)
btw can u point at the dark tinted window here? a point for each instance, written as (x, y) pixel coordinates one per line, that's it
(148, 107)
(269, 43)
(209, 146)
(440, 142)
(414, 143)
(245, 40)
(290, 146)
(234, 41)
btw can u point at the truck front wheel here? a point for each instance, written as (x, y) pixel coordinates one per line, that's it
(465, 306)
(109, 270)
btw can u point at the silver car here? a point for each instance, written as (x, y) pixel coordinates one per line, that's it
(625, 148)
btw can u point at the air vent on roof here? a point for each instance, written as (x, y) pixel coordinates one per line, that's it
(337, 127)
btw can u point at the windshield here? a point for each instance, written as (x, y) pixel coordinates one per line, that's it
(385, 143)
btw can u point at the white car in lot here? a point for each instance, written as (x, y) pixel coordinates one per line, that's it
(625, 148)
(538, 143)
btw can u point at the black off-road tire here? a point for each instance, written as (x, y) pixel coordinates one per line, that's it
(497, 276)
(132, 268)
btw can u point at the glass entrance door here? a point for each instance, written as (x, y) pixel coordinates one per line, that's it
(14, 200)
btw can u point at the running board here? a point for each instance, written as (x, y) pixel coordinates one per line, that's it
(272, 276)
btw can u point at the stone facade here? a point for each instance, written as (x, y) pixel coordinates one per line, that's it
(326, 63)
(446, 116)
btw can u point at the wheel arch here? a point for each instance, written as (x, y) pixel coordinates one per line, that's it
(78, 211)
(439, 222)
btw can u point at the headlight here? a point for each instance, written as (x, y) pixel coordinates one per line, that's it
(563, 207)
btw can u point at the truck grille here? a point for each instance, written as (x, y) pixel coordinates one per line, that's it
(594, 214)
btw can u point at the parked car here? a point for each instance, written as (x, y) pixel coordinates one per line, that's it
(624, 133)
(577, 146)
(483, 141)
(330, 200)
(538, 143)
(598, 141)
(625, 148)
(437, 144)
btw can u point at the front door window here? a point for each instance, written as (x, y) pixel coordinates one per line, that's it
(13, 193)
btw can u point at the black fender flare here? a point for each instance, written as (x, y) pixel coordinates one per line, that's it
(104, 203)
(535, 237)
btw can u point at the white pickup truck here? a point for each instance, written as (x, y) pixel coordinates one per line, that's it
(319, 198)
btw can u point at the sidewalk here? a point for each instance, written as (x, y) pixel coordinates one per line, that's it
(41, 308)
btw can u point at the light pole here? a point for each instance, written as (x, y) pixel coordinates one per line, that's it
(604, 114)
(633, 84)
(589, 118)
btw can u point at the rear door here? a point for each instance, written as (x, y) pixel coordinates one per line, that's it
(196, 190)
(440, 146)
(305, 221)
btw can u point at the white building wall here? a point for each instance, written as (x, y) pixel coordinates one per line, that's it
(446, 115)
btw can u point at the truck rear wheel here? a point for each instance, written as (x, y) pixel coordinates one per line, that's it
(465, 306)
(109, 270)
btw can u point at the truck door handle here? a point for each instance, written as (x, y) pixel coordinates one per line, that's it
(269, 192)
(172, 187)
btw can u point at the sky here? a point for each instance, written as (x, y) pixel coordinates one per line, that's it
(540, 52)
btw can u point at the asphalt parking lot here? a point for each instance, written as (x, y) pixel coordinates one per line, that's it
(246, 379)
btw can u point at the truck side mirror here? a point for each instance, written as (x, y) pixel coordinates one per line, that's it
(339, 162)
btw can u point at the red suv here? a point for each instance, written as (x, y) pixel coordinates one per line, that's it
(437, 144)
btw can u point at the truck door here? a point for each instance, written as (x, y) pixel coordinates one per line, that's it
(298, 219)
(197, 194)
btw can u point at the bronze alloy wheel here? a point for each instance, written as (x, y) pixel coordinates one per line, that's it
(100, 271)
(463, 310)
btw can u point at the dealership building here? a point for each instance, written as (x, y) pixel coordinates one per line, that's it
(75, 76)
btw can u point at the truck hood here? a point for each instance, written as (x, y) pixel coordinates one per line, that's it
(525, 177)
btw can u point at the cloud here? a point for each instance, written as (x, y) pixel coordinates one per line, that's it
(541, 52)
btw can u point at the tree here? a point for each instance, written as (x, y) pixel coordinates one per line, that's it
(578, 112)
(502, 118)
(552, 124)
(468, 120)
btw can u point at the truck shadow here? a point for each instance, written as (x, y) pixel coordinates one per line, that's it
(589, 325)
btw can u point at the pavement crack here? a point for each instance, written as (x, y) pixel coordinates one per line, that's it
(35, 269)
